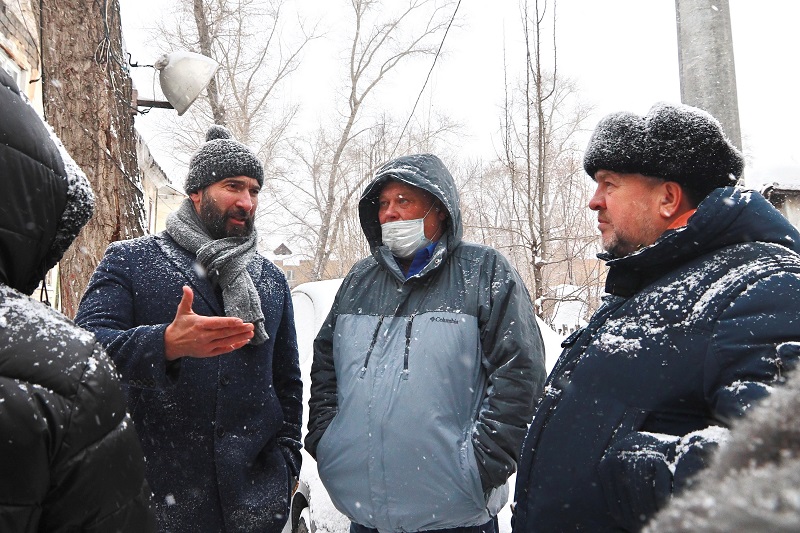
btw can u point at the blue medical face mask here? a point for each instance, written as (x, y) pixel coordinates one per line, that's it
(404, 238)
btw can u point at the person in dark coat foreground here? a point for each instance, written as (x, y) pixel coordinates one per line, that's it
(701, 284)
(427, 368)
(202, 330)
(70, 459)
(753, 481)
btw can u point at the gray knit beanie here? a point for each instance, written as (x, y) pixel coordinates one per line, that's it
(676, 143)
(220, 157)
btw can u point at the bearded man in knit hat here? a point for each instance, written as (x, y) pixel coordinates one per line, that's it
(201, 329)
(702, 298)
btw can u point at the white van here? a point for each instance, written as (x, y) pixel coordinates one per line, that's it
(311, 509)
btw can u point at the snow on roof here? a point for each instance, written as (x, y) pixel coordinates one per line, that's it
(783, 185)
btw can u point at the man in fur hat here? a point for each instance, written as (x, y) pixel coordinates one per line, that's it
(702, 286)
(202, 331)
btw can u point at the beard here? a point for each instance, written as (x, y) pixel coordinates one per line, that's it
(612, 245)
(634, 235)
(216, 220)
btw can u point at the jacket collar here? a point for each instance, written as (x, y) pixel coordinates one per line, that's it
(385, 258)
(728, 216)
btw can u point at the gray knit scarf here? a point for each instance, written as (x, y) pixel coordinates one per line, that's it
(225, 261)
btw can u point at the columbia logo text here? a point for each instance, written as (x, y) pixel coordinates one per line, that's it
(444, 320)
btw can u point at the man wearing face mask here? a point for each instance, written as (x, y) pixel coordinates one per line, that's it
(427, 368)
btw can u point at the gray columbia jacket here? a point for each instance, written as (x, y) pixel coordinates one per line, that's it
(422, 388)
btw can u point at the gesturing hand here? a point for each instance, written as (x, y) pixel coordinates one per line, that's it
(193, 335)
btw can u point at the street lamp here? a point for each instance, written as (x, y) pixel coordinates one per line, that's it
(182, 76)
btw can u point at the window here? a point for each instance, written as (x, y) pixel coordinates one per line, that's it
(289, 275)
(13, 69)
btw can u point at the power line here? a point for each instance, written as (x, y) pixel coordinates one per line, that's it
(413, 109)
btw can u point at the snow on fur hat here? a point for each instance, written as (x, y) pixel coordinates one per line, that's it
(220, 157)
(676, 143)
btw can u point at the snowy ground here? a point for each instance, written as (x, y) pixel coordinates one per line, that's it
(312, 301)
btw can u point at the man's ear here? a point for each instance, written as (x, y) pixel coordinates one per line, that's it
(441, 212)
(195, 197)
(673, 202)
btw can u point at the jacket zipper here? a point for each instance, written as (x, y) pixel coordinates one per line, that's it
(371, 347)
(404, 374)
(409, 327)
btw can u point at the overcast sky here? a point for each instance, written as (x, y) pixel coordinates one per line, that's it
(622, 53)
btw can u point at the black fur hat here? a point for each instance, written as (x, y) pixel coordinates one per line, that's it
(676, 143)
(221, 157)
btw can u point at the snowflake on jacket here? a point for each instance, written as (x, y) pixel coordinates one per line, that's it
(752, 482)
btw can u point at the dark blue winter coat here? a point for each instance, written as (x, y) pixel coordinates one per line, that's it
(684, 343)
(221, 435)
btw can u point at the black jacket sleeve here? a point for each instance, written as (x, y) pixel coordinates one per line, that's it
(322, 405)
(514, 358)
(742, 365)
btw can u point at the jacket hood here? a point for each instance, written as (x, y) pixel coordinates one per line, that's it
(45, 199)
(425, 171)
(727, 216)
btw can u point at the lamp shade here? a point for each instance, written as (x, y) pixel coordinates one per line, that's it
(183, 75)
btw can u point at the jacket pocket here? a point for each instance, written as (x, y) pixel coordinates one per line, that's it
(632, 419)
(322, 444)
(633, 472)
(469, 470)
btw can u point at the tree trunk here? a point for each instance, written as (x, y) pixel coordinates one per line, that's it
(206, 45)
(87, 101)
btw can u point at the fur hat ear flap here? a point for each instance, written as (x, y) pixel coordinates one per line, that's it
(676, 143)
(220, 157)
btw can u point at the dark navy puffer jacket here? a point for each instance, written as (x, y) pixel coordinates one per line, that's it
(684, 344)
(751, 484)
(70, 459)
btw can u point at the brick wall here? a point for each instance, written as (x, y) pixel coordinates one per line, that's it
(19, 36)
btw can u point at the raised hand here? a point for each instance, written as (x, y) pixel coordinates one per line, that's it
(193, 335)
